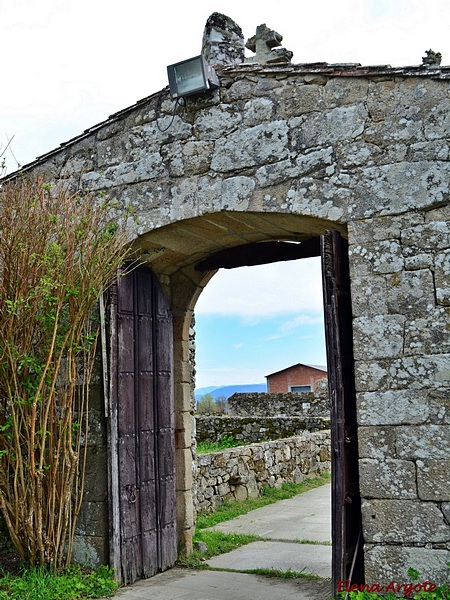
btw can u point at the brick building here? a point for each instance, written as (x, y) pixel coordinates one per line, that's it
(298, 378)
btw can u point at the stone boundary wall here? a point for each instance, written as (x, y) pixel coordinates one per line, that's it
(249, 430)
(287, 404)
(239, 473)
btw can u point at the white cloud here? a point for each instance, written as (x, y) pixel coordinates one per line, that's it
(290, 326)
(300, 321)
(266, 290)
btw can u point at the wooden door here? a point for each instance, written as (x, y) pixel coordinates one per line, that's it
(143, 530)
(347, 553)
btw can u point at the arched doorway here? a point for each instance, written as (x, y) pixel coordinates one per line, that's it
(184, 268)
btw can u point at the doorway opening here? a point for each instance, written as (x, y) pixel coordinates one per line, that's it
(347, 553)
(251, 322)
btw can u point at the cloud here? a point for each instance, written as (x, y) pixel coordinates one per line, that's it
(265, 290)
(300, 321)
(290, 326)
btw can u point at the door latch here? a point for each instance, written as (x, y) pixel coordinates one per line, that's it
(131, 491)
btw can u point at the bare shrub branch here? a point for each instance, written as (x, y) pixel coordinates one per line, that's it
(58, 253)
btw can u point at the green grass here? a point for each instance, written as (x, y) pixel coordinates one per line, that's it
(72, 584)
(217, 543)
(224, 443)
(441, 593)
(276, 573)
(230, 509)
(289, 574)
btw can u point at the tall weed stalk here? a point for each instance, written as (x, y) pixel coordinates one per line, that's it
(58, 252)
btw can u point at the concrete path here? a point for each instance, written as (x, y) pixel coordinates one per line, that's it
(283, 556)
(305, 517)
(186, 584)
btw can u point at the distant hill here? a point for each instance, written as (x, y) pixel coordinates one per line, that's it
(229, 390)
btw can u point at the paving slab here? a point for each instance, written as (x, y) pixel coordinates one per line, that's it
(306, 516)
(187, 584)
(311, 559)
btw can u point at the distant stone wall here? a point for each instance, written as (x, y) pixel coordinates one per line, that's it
(249, 430)
(310, 404)
(239, 473)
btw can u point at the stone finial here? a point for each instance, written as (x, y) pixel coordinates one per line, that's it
(265, 45)
(223, 41)
(432, 59)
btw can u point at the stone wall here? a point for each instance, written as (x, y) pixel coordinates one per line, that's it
(306, 405)
(242, 472)
(91, 543)
(255, 429)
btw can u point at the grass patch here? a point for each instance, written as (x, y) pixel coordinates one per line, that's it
(289, 574)
(224, 443)
(441, 593)
(275, 573)
(230, 509)
(73, 583)
(305, 541)
(217, 543)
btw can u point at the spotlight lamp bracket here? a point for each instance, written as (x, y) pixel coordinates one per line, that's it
(191, 77)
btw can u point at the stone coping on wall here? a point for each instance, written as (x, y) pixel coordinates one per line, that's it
(280, 404)
(311, 71)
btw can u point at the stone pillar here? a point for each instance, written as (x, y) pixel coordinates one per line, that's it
(183, 432)
(223, 42)
(401, 310)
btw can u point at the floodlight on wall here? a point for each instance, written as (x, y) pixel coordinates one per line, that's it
(192, 76)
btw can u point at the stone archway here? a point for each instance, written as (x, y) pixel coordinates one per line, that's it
(184, 273)
(279, 152)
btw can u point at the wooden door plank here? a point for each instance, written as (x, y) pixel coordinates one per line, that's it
(131, 537)
(113, 455)
(347, 552)
(165, 436)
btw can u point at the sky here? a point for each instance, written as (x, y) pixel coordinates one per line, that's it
(68, 65)
(254, 321)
